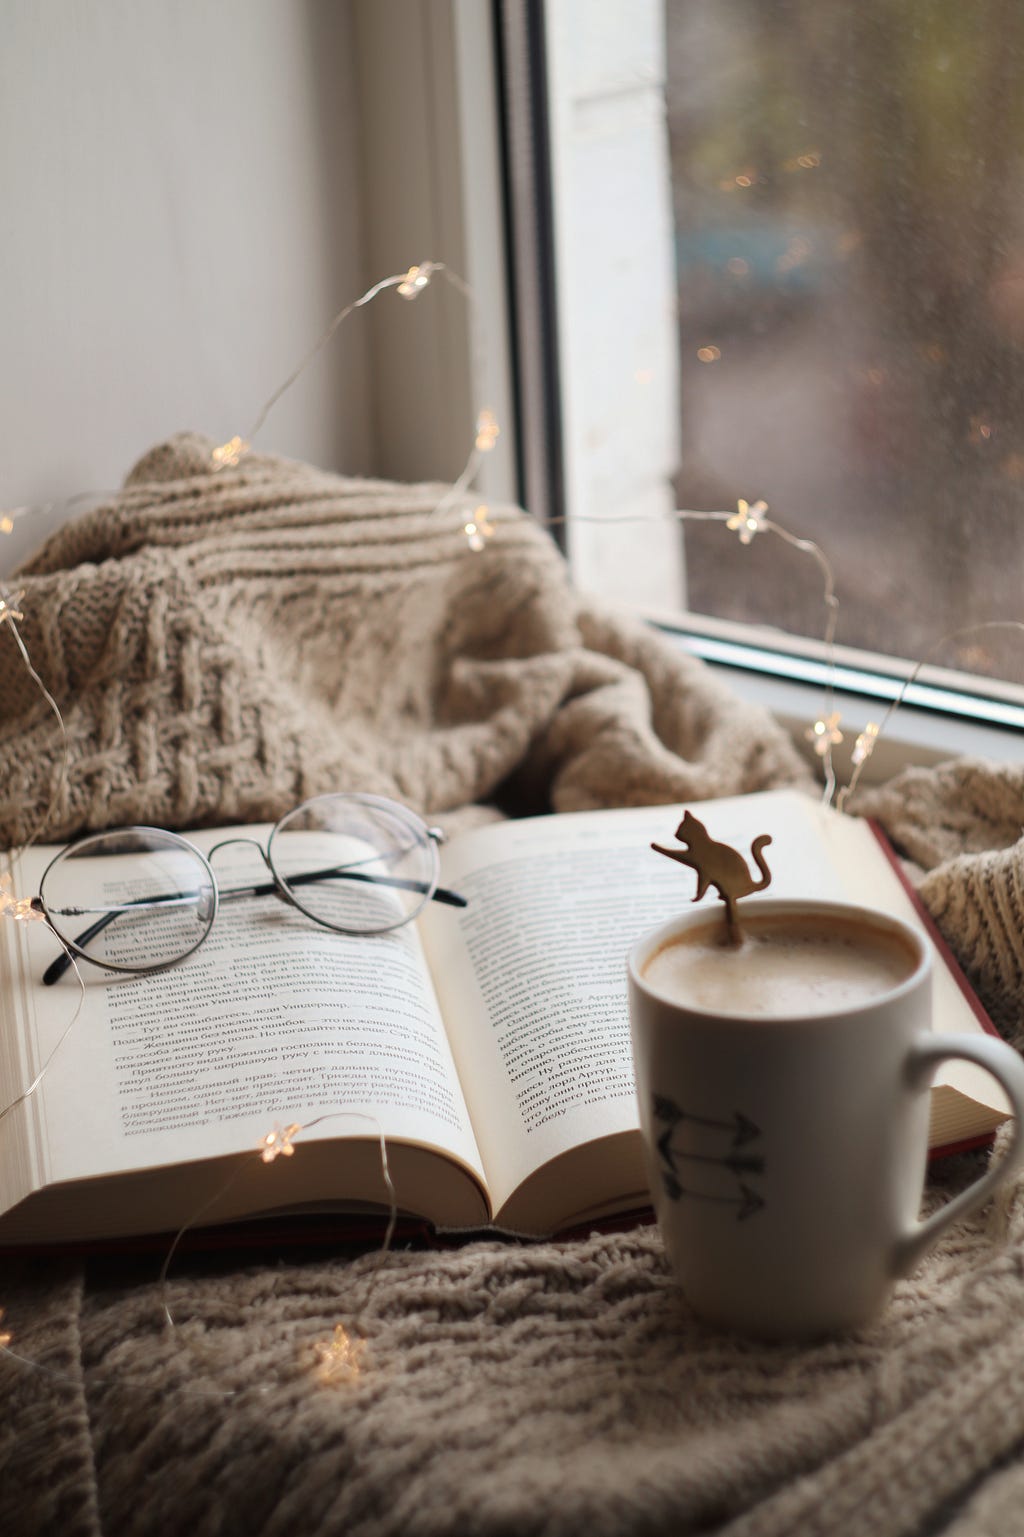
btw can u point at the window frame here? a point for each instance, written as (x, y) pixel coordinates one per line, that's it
(932, 725)
(432, 190)
(495, 168)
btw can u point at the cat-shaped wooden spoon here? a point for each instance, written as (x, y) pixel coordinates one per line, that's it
(719, 865)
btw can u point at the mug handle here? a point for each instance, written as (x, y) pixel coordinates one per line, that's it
(1008, 1069)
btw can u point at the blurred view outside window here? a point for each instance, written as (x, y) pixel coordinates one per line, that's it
(848, 184)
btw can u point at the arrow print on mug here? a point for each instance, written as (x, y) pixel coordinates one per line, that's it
(743, 1130)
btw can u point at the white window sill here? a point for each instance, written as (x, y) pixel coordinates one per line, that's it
(915, 734)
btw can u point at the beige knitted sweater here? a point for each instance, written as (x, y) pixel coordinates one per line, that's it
(222, 645)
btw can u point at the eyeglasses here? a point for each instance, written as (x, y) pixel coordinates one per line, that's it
(356, 864)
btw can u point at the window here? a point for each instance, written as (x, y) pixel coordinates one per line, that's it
(850, 262)
(790, 264)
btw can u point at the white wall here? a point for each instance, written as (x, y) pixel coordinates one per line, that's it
(179, 219)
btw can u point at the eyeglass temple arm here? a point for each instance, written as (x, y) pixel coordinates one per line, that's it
(60, 964)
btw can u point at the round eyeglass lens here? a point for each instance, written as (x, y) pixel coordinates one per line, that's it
(356, 863)
(137, 899)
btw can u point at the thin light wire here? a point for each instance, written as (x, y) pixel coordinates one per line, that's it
(9, 516)
(59, 779)
(236, 1174)
(830, 599)
(377, 1256)
(57, 784)
(1016, 625)
(342, 315)
(426, 271)
(44, 1069)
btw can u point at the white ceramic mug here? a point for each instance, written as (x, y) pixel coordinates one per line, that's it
(786, 1153)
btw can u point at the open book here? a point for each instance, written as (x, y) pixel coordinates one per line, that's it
(488, 1046)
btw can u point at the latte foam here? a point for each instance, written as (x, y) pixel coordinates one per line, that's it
(785, 967)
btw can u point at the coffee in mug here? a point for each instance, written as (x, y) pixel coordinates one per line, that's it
(784, 966)
(783, 1096)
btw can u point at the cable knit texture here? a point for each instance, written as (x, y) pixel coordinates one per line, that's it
(224, 644)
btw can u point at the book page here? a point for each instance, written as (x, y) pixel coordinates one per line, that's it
(869, 878)
(272, 1019)
(532, 977)
(532, 982)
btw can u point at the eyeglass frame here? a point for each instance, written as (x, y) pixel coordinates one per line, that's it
(433, 837)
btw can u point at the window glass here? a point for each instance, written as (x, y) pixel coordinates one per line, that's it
(848, 185)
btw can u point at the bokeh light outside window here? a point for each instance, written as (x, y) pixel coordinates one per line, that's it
(848, 183)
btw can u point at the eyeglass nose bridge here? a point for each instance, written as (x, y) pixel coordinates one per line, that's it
(247, 891)
(253, 843)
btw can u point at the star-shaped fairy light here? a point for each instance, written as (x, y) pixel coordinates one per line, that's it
(18, 908)
(9, 605)
(825, 733)
(415, 280)
(478, 530)
(278, 1143)
(340, 1359)
(864, 746)
(747, 521)
(5, 1334)
(228, 454)
(487, 431)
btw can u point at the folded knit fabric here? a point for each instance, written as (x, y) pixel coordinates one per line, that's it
(962, 823)
(222, 645)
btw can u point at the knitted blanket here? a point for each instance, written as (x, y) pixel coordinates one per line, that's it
(222, 645)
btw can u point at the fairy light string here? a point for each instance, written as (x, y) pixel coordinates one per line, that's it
(343, 1356)
(10, 516)
(477, 530)
(22, 909)
(340, 1358)
(9, 612)
(747, 522)
(865, 744)
(408, 285)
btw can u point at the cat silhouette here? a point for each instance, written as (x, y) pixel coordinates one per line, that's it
(718, 864)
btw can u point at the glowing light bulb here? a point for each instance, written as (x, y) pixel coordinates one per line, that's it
(487, 431)
(864, 746)
(18, 908)
(278, 1143)
(825, 733)
(227, 455)
(9, 605)
(6, 523)
(478, 530)
(340, 1359)
(708, 354)
(746, 520)
(415, 280)
(5, 1334)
